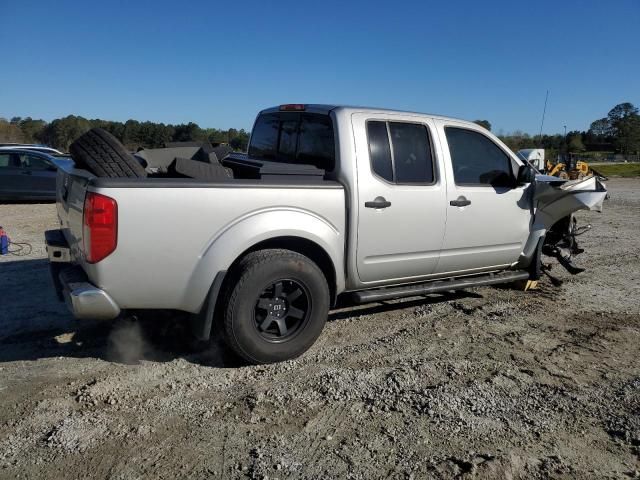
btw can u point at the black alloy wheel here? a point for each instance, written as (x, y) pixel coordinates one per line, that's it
(275, 305)
(282, 309)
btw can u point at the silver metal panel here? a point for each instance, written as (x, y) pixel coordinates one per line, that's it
(493, 229)
(404, 240)
(173, 241)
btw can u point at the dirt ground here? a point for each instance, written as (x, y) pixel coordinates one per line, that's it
(494, 383)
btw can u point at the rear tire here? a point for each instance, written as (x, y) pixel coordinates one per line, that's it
(102, 154)
(277, 305)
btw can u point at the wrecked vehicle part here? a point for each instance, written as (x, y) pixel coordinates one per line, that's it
(560, 243)
(555, 201)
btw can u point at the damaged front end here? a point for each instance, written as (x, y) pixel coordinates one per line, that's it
(554, 230)
(556, 201)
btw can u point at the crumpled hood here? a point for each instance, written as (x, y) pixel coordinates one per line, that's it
(555, 198)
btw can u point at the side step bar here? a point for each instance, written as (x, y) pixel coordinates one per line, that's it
(368, 296)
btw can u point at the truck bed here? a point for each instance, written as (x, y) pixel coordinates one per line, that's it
(176, 234)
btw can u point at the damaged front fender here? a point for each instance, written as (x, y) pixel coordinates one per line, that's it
(555, 199)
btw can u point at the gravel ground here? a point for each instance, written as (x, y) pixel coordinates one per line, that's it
(494, 383)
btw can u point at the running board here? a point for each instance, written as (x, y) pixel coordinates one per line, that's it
(368, 296)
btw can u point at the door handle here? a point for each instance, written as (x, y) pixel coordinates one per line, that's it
(26, 172)
(378, 202)
(460, 202)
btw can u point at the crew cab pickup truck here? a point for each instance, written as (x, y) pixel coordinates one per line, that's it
(405, 204)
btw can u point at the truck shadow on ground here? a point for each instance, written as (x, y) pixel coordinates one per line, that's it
(35, 325)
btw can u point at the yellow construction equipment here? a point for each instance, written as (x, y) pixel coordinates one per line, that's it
(571, 170)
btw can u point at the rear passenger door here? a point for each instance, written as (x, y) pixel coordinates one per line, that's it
(40, 175)
(401, 195)
(488, 215)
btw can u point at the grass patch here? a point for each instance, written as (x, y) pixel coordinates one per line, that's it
(619, 170)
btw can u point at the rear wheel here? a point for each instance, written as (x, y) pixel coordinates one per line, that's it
(278, 302)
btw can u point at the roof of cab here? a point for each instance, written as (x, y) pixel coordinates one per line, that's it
(326, 109)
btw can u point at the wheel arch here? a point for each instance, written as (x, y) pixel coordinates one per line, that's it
(297, 230)
(213, 304)
(303, 246)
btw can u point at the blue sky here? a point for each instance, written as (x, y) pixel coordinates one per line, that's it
(218, 63)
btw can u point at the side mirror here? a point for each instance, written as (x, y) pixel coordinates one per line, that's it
(526, 174)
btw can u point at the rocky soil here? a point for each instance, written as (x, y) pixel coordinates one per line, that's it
(492, 383)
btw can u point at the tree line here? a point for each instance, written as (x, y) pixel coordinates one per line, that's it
(618, 132)
(61, 132)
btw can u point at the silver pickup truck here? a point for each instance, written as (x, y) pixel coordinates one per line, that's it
(329, 203)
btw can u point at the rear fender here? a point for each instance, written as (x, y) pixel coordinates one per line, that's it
(228, 243)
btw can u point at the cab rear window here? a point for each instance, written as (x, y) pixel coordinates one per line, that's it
(294, 137)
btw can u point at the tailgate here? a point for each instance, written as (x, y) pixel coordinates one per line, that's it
(71, 187)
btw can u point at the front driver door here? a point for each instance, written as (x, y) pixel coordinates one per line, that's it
(488, 215)
(400, 199)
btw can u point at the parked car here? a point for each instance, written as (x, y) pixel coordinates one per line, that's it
(29, 175)
(330, 203)
(35, 147)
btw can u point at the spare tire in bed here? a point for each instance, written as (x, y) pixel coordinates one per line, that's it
(102, 154)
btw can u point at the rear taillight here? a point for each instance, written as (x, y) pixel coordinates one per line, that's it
(100, 231)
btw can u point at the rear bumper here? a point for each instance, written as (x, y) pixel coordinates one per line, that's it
(84, 300)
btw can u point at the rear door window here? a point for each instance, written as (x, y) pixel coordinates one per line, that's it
(379, 150)
(400, 152)
(476, 160)
(11, 160)
(411, 153)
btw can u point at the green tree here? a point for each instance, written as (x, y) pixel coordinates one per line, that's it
(600, 128)
(188, 133)
(620, 112)
(10, 132)
(627, 138)
(624, 124)
(575, 142)
(31, 129)
(63, 131)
